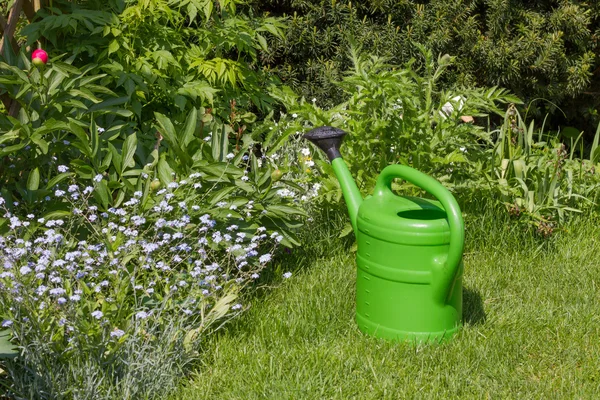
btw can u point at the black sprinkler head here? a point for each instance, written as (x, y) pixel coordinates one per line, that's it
(328, 139)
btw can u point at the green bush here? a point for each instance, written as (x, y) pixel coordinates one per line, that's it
(142, 86)
(536, 49)
(397, 115)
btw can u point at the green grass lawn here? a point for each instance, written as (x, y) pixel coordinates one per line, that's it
(532, 329)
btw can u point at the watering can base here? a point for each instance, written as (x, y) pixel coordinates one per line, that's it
(372, 329)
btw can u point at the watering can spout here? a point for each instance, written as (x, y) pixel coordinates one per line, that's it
(329, 140)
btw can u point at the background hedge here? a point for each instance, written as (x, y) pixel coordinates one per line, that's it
(537, 49)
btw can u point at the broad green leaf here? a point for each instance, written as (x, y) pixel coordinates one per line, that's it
(42, 144)
(82, 136)
(33, 181)
(285, 210)
(113, 46)
(102, 194)
(164, 172)
(7, 349)
(221, 194)
(166, 128)
(262, 41)
(58, 178)
(116, 158)
(129, 148)
(187, 135)
(9, 149)
(107, 104)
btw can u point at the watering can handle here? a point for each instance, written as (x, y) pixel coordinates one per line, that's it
(453, 213)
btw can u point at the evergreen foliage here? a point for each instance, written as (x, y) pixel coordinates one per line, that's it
(537, 49)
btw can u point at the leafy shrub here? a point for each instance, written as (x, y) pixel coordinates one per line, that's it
(114, 304)
(397, 115)
(544, 49)
(192, 63)
(165, 53)
(537, 178)
(58, 106)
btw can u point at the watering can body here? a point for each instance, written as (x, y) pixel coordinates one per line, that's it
(405, 288)
(409, 257)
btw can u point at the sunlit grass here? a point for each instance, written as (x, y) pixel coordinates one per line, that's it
(532, 323)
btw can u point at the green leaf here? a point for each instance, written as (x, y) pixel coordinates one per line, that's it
(58, 178)
(262, 41)
(221, 194)
(187, 135)
(129, 148)
(106, 104)
(82, 136)
(42, 144)
(7, 349)
(220, 143)
(9, 149)
(285, 210)
(57, 214)
(164, 172)
(102, 194)
(116, 158)
(33, 181)
(113, 46)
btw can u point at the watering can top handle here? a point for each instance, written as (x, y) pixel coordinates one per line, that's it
(432, 186)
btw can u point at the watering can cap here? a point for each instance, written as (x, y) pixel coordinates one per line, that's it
(328, 139)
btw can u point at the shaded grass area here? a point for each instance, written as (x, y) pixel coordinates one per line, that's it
(532, 328)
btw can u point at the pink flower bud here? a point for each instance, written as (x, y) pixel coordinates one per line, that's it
(39, 57)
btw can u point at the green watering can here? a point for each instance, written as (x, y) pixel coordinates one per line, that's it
(409, 279)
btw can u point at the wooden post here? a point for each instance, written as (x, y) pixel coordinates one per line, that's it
(11, 25)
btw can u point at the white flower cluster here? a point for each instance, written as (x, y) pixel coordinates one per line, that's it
(174, 257)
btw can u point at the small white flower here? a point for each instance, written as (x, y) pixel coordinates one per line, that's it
(294, 115)
(287, 275)
(97, 314)
(59, 193)
(98, 178)
(117, 333)
(236, 307)
(141, 315)
(25, 270)
(100, 129)
(305, 152)
(63, 168)
(230, 156)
